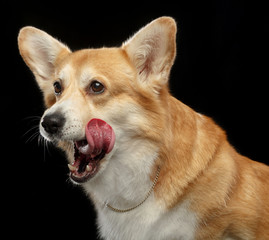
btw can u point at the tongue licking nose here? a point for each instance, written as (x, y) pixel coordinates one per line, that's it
(100, 137)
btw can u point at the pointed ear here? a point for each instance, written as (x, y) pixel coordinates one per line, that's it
(152, 50)
(41, 53)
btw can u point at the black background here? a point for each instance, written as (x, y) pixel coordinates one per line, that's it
(221, 70)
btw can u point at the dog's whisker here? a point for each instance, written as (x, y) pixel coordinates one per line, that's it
(32, 118)
(32, 137)
(34, 128)
(44, 148)
(40, 140)
(33, 133)
(47, 144)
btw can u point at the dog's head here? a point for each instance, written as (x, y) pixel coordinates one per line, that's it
(102, 103)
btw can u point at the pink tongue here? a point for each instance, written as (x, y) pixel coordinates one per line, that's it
(100, 136)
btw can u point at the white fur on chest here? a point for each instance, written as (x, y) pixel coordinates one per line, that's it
(148, 222)
(124, 183)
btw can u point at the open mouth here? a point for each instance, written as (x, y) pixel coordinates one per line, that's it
(100, 139)
(85, 166)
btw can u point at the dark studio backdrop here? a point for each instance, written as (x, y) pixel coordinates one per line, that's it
(221, 70)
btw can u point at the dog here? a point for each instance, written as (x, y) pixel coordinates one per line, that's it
(153, 167)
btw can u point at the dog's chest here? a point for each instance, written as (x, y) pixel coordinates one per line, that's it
(148, 222)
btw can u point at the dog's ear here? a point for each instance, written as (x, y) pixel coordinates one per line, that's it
(152, 50)
(41, 53)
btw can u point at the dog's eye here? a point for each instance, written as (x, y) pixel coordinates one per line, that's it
(96, 87)
(57, 88)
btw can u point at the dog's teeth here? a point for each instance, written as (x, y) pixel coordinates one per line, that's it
(71, 168)
(88, 168)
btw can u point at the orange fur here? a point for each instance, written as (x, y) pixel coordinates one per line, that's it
(228, 193)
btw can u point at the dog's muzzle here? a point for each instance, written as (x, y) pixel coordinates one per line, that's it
(98, 140)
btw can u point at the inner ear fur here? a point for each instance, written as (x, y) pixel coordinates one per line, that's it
(152, 50)
(41, 52)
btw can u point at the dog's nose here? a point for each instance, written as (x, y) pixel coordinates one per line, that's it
(53, 123)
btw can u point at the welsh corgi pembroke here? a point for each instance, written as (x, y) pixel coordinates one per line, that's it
(153, 167)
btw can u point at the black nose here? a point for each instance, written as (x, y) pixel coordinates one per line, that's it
(53, 123)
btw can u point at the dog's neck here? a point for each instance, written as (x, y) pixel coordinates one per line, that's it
(126, 183)
(118, 210)
(186, 151)
(131, 170)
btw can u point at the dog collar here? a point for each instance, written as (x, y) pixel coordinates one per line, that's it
(107, 205)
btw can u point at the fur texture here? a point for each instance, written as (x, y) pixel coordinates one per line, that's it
(206, 190)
